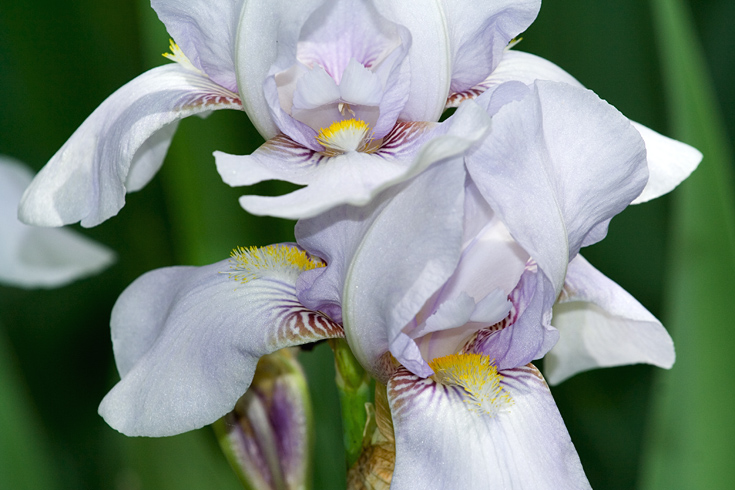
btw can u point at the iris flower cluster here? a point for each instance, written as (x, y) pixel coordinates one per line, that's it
(445, 254)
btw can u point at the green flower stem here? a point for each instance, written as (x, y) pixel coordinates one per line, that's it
(353, 385)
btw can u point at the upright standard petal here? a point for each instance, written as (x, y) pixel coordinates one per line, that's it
(38, 257)
(556, 167)
(187, 339)
(121, 144)
(265, 27)
(601, 325)
(473, 427)
(527, 333)
(479, 32)
(429, 57)
(669, 161)
(411, 248)
(206, 30)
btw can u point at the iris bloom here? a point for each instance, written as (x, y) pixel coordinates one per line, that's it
(444, 284)
(341, 89)
(347, 93)
(31, 257)
(423, 300)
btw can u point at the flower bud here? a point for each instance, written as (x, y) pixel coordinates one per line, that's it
(268, 437)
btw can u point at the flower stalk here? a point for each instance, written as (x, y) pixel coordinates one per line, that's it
(353, 385)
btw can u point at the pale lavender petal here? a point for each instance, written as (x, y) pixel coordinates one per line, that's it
(340, 31)
(452, 313)
(491, 261)
(395, 74)
(457, 322)
(292, 126)
(360, 86)
(187, 341)
(442, 441)
(149, 157)
(409, 251)
(279, 158)
(529, 334)
(86, 179)
(344, 38)
(429, 56)
(479, 33)
(267, 28)
(206, 31)
(601, 325)
(669, 163)
(351, 178)
(492, 308)
(33, 257)
(514, 66)
(315, 88)
(333, 236)
(557, 165)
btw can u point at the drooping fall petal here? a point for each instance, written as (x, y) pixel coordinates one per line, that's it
(187, 339)
(602, 325)
(119, 147)
(483, 430)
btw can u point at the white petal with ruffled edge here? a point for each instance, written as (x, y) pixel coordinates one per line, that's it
(351, 178)
(669, 161)
(429, 56)
(315, 88)
(87, 178)
(267, 29)
(527, 334)
(479, 32)
(556, 167)
(359, 85)
(602, 325)
(187, 340)
(410, 250)
(443, 442)
(38, 257)
(206, 31)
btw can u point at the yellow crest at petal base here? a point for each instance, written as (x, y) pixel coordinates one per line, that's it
(478, 375)
(345, 136)
(253, 262)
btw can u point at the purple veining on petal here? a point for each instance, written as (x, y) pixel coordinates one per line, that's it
(517, 379)
(455, 99)
(292, 151)
(339, 31)
(297, 324)
(518, 300)
(209, 100)
(404, 387)
(404, 139)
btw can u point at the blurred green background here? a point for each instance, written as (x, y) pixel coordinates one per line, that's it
(634, 427)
